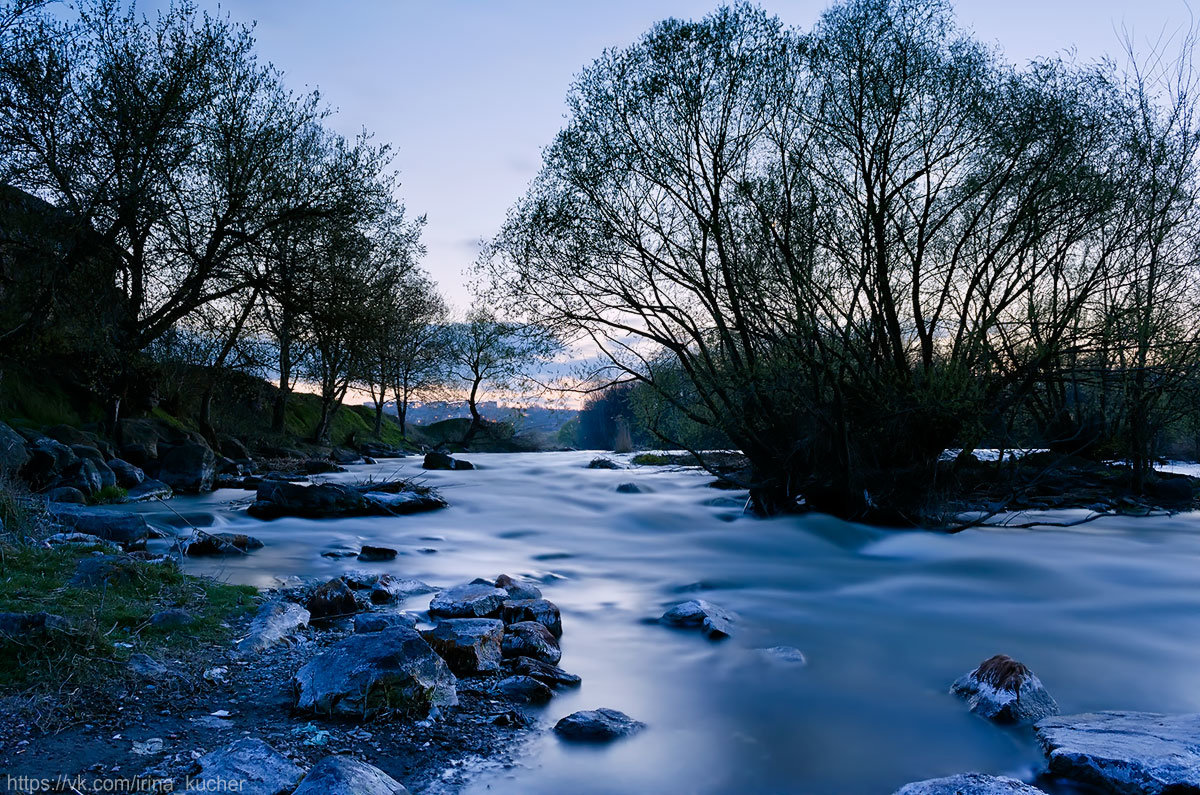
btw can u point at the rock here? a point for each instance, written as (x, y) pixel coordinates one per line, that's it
(334, 599)
(171, 619)
(632, 488)
(273, 622)
(81, 540)
(206, 544)
(525, 690)
(603, 463)
(128, 476)
(342, 775)
(369, 554)
(344, 455)
(85, 476)
(598, 725)
(784, 654)
(543, 672)
(1005, 691)
(277, 498)
(369, 461)
(440, 460)
(111, 525)
(969, 784)
(542, 611)
(250, 764)
(146, 666)
(232, 447)
(24, 627)
(402, 503)
(388, 589)
(377, 622)
(1125, 752)
(71, 436)
(149, 490)
(517, 589)
(320, 466)
(374, 672)
(472, 600)
(104, 570)
(470, 646)
(13, 453)
(67, 494)
(714, 621)
(530, 639)
(108, 478)
(189, 468)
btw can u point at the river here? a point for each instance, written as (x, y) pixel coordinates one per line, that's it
(1107, 614)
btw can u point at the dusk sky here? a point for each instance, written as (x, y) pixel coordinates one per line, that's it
(470, 91)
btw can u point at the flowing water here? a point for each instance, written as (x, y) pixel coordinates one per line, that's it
(1107, 614)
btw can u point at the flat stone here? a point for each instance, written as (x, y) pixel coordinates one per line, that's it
(969, 784)
(1005, 691)
(344, 775)
(714, 621)
(470, 646)
(542, 611)
(597, 725)
(257, 769)
(1125, 752)
(111, 525)
(273, 622)
(530, 639)
(81, 540)
(525, 690)
(472, 600)
(377, 622)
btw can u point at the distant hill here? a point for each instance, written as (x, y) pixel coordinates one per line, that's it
(523, 419)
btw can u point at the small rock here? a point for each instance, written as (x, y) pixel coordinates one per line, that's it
(370, 554)
(969, 784)
(342, 775)
(530, 639)
(543, 672)
(714, 621)
(67, 494)
(542, 611)
(257, 768)
(1005, 691)
(598, 725)
(146, 666)
(632, 488)
(205, 544)
(470, 646)
(603, 463)
(273, 622)
(334, 599)
(388, 589)
(525, 690)
(439, 460)
(472, 600)
(517, 589)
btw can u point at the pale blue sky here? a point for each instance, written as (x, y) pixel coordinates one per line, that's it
(469, 91)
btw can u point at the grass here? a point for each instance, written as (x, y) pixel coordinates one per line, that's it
(109, 495)
(653, 459)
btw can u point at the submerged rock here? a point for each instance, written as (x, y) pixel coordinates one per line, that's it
(542, 611)
(530, 639)
(969, 784)
(1125, 752)
(784, 654)
(472, 600)
(376, 672)
(255, 767)
(1005, 691)
(714, 621)
(440, 460)
(597, 725)
(273, 622)
(370, 554)
(525, 690)
(470, 646)
(632, 488)
(343, 775)
(603, 463)
(543, 672)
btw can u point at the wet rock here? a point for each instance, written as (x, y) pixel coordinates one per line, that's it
(530, 639)
(83, 475)
(221, 544)
(257, 769)
(369, 554)
(375, 672)
(25, 627)
(111, 525)
(320, 466)
(273, 622)
(377, 622)
(543, 672)
(344, 455)
(1005, 691)
(525, 690)
(171, 619)
(277, 498)
(149, 489)
(81, 540)
(603, 463)
(517, 589)
(87, 452)
(189, 468)
(145, 666)
(969, 784)
(632, 488)
(369, 461)
(1125, 752)
(343, 775)
(67, 494)
(439, 460)
(784, 654)
(542, 611)
(13, 452)
(402, 503)
(334, 599)
(714, 621)
(470, 646)
(597, 725)
(388, 589)
(127, 475)
(472, 600)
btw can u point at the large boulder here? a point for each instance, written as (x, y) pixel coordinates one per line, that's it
(86, 452)
(597, 725)
(470, 646)
(542, 611)
(48, 461)
(439, 460)
(251, 765)
(470, 600)
(714, 621)
(1005, 691)
(277, 498)
(111, 525)
(71, 436)
(189, 468)
(138, 440)
(1142, 753)
(273, 622)
(13, 453)
(969, 784)
(85, 476)
(376, 672)
(530, 639)
(128, 476)
(343, 775)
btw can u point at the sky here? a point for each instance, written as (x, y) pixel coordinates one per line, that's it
(470, 91)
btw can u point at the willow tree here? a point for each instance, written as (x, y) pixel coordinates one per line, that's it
(837, 235)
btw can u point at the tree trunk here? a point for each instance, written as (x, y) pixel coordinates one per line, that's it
(279, 411)
(476, 419)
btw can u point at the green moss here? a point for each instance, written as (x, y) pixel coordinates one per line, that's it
(109, 495)
(652, 460)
